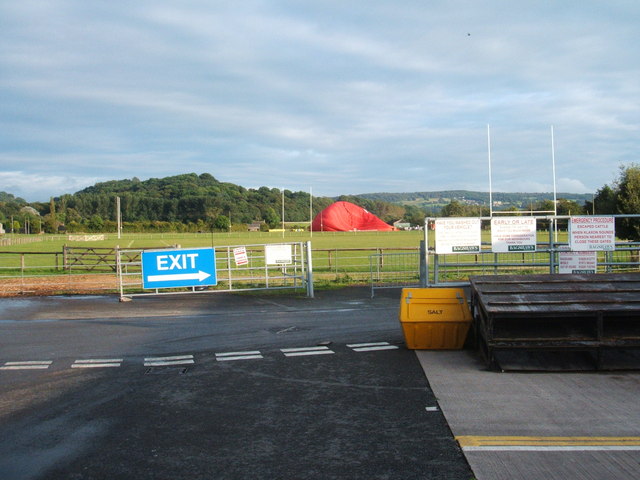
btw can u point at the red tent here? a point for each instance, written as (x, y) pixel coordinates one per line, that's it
(346, 217)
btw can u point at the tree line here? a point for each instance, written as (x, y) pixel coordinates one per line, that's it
(182, 203)
(191, 203)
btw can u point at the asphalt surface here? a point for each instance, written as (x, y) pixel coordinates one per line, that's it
(217, 386)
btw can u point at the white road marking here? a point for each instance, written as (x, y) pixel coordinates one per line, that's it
(27, 365)
(431, 409)
(230, 356)
(371, 347)
(304, 351)
(169, 361)
(189, 360)
(98, 363)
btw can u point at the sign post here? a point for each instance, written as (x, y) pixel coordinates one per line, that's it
(178, 268)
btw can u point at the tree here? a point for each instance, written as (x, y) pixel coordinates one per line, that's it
(271, 217)
(51, 220)
(95, 223)
(458, 209)
(453, 209)
(569, 207)
(222, 223)
(628, 201)
(604, 201)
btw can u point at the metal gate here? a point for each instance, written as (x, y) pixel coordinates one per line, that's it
(238, 268)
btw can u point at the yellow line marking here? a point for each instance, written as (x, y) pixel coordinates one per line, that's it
(494, 441)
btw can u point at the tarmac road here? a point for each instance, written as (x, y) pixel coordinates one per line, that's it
(217, 387)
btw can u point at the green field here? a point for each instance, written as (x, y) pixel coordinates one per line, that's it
(338, 257)
(319, 240)
(336, 252)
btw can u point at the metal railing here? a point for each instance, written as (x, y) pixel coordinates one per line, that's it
(456, 268)
(254, 273)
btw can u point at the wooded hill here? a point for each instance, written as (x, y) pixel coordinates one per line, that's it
(188, 202)
(192, 202)
(434, 201)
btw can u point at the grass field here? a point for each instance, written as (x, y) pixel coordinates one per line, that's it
(338, 257)
(319, 240)
(338, 252)
(27, 252)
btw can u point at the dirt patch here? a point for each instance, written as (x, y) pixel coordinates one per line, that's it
(58, 285)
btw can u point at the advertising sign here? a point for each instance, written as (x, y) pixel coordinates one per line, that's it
(577, 262)
(590, 234)
(513, 234)
(458, 235)
(277, 254)
(178, 268)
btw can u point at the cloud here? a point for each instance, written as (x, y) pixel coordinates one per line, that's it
(392, 97)
(36, 187)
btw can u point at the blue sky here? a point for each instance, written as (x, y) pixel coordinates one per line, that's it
(341, 97)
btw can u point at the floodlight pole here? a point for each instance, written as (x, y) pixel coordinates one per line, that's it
(283, 213)
(553, 163)
(118, 216)
(310, 211)
(490, 186)
(555, 200)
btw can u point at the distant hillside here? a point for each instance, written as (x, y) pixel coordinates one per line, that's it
(192, 202)
(434, 201)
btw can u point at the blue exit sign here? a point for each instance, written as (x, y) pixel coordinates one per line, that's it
(178, 268)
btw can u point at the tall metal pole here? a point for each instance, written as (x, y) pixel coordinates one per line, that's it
(553, 162)
(119, 216)
(490, 186)
(283, 213)
(310, 211)
(555, 200)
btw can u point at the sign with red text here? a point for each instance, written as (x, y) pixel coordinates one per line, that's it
(240, 256)
(577, 262)
(513, 234)
(458, 235)
(592, 234)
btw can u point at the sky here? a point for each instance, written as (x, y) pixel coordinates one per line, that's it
(330, 96)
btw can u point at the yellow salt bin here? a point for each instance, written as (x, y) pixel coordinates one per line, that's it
(434, 318)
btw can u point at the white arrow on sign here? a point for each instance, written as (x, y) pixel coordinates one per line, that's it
(200, 276)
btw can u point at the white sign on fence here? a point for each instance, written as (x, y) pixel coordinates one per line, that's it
(277, 254)
(457, 235)
(590, 234)
(240, 256)
(577, 262)
(513, 234)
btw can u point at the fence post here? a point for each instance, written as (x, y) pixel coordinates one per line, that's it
(309, 259)
(552, 247)
(423, 264)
